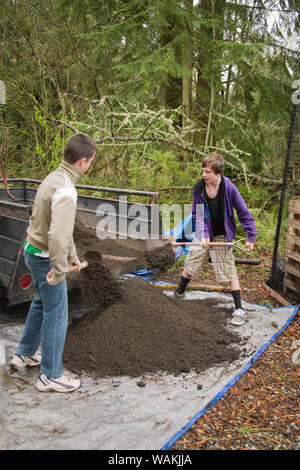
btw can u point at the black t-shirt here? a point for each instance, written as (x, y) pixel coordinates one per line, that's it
(216, 213)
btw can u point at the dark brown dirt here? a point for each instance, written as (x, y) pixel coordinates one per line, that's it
(133, 328)
(14, 212)
(160, 258)
(85, 239)
(144, 331)
(98, 287)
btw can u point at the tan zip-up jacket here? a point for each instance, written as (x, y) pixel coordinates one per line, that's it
(52, 221)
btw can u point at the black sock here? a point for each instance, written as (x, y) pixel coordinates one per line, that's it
(236, 294)
(182, 285)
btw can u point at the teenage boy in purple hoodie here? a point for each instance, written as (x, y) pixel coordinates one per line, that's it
(217, 197)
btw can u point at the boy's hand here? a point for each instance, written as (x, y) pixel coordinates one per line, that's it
(50, 278)
(205, 242)
(249, 246)
(78, 264)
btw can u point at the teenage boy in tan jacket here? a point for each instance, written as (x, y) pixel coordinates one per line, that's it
(48, 251)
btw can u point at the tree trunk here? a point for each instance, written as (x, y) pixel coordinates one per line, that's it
(187, 79)
(188, 66)
(208, 83)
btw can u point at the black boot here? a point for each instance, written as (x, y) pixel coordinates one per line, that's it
(179, 293)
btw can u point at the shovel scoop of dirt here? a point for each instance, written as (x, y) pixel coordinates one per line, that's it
(161, 257)
(92, 256)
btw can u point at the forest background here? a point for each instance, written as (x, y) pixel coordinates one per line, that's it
(159, 84)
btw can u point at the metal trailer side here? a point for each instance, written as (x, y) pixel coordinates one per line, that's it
(90, 210)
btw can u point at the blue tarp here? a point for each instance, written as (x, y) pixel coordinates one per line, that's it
(183, 232)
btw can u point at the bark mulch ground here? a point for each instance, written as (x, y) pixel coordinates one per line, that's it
(261, 411)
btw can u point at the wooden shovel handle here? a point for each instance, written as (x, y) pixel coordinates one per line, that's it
(200, 244)
(74, 267)
(217, 244)
(70, 270)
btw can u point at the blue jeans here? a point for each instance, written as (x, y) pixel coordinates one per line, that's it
(47, 319)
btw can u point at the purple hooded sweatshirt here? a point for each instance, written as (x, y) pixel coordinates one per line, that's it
(230, 200)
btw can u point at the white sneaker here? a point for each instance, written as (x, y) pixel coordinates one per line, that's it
(20, 362)
(238, 317)
(62, 384)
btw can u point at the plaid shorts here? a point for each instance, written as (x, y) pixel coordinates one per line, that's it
(222, 260)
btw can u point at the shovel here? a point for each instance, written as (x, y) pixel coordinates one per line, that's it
(72, 269)
(212, 244)
(152, 244)
(90, 256)
(155, 244)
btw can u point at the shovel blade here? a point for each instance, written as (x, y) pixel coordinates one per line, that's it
(152, 244)
(155, 243)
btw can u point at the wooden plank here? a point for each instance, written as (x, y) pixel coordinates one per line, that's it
(251, 261)
(276, 296)
(118, 258)
(293, 240)
(204, 287)
(294, 205)
(292, 270)
(294, 255)
(294, 224)
(291, 285)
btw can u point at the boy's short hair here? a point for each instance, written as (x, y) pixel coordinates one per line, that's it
(216, 162)
(79, 146)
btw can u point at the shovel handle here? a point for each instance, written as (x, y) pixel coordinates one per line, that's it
(212, 244)
(200, 244)
(218, 244)
(74, 268)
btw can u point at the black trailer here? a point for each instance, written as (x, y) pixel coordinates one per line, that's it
(15, 280)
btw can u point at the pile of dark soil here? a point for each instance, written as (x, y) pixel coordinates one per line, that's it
(98, 287)
(133, 328)
(145, 332)
(85, 238)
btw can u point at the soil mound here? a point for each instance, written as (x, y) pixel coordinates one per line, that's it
(145, 332)
(98, 287)
(85, 238)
